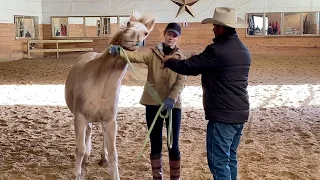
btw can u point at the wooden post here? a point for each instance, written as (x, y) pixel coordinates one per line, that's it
(57, 50)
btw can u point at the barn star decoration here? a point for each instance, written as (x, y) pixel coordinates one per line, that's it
(185, 5)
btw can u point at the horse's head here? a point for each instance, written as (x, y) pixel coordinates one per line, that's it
(135, 31)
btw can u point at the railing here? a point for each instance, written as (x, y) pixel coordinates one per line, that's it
(57, 50)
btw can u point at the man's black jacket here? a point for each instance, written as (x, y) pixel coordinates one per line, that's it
(224, 66)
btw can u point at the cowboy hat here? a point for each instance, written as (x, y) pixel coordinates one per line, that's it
(225, 16)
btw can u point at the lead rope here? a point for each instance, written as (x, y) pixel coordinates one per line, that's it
(149, 88)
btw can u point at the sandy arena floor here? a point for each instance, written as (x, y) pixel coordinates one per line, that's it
(281, 141)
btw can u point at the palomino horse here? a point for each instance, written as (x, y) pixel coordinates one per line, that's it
(92, 92)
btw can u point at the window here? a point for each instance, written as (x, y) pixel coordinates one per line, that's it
(110, 25)
(310, 22)
(255, 24)
(25, 27)
(59, 27)
(273, 24)
(76, 26)
(283, 23)
(93, 25)
(292, 23)
(124, 20)
(79, 27)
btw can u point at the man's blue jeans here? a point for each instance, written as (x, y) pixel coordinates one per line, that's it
(222, 143)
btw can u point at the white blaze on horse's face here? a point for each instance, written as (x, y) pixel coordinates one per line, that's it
(135, 32)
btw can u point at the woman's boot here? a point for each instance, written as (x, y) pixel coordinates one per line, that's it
(156, 165)
(174, 169)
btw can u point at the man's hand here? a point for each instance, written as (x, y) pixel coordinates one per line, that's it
(165, 58)
(168, 61)
(168, 104)
(114, 50)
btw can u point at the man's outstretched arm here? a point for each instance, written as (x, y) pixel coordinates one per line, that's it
(194, 65)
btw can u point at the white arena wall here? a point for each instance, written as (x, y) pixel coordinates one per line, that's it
(10, 8)
(165, 10)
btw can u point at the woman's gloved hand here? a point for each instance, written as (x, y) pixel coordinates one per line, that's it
(114, 50)
(168, 104)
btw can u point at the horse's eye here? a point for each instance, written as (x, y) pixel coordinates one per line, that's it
(145, 33)
(128, 23)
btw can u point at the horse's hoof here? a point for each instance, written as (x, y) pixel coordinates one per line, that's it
(103, 162)
(78, 177)
(85, 159)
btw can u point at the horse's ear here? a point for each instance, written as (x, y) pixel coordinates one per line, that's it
(150, 24)
(134, 16)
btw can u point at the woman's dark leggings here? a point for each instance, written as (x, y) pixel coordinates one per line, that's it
(156, 133)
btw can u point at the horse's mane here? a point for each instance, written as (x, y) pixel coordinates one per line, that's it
(144, 19)
(115, 37)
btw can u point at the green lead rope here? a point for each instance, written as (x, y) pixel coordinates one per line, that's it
(150, 89)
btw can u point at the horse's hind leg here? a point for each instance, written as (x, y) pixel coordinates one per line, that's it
(80, 130)
(109, 138)
(88, 143)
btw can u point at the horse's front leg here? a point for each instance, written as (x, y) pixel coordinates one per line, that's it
(109, 140)
(80, 124)
(88, 143)
(104, 154)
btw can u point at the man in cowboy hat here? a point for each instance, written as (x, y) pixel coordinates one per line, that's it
(224, 66)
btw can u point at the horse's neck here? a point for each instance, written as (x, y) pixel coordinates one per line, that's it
(113, 41)
(110, 67)
(112, 71)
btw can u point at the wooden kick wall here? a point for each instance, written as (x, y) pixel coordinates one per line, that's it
(193, 40)
(197, 36)
(12, 48)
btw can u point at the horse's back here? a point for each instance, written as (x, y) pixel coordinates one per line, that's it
(84, 59)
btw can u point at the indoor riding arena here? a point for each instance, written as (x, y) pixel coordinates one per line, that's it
(41, 40)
